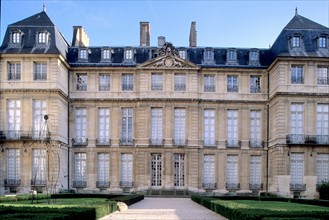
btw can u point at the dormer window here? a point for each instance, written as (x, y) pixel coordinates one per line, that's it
(231, 56)
(295, 41)
(106, 54)
(254, 57)
(182, 54)
(208, 56)
(42, 36)
(16, 38)
(83, 54)
(322, 42)
(129, 55)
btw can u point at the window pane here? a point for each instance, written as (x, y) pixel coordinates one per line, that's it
(179, 126)
(156, 170)
(179, 169)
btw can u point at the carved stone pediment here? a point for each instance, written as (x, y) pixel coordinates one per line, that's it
(168, 59)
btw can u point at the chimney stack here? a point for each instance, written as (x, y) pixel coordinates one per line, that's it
(144, 34)
(80, 37)
(193, 35)
(161, 41)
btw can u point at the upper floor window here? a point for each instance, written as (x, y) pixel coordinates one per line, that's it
(83, 54)
(179, 82)
(209, 83)
(104, 82)
(322, 42)
(40, 71)
(231, 56)
(16, 38)
(106, 54)
(14, 71)
(297, 74)
(156, 81)
(254, 57)
(127, 82)
(322, 75)
(129, 55)
(208, 56)
(82, 82)
(42, 37)
(232, 84)
(295, 41)
(182, 54)
(255, 84)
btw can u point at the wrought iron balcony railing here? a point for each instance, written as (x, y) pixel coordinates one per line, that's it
(232, 186)
(256, 186)
(255, 143)
(323, 80)
(180, 142)
(126, 184)
(209, 185)
(24, 135)
(102, 184)
(127, 87)
(80, 141)
(103, 142)
(79, 183)
(297, 186)
(307, 139)
(255, 89)
(209, 88)
(232, 88)
(104, 88)
(81, 87)
(12, 182)
(38, 182)
(234, 143)
(127, 141)
(209, 143)
(156, 87)
(180, 87)
(156, 142)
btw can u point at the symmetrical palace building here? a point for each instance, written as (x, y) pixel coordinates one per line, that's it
(163, 120)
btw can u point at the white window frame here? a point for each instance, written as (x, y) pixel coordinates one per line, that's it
(179, 126)
(106, 54)
(296, 72)
(40, 71)
(255, 180)
(81, 126)
(253, 56)
(231, 56)
(83, 54)
(209, 138)
(80, 169)
(129, 54)
(232, 126)
(13, 118)
(13, 166)
(296, 171)
(156, 170)
(232, 83)
(39, 167)
(104, 82)
(297, 123)
(103, 170)
(209, 83)
(295, 41)
(322, 75)
(232, 181)
(103, 126)
(182, 54)
(255, 128)
(208, 56)
(127, 81)
(16, 38)
(179, 82)
(156, 126)
(322, 42)
(42, 38)
(126, 170)
(82, 82)
(255, 84)
(127, 126)
(322, 168)
(209, 176)
(156, 81)
(39, 127)
(14, 70)
(322, 123)
(179, 170)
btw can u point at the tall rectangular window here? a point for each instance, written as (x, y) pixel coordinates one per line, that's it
(232, 128)
(126, 179)
(179, 126)
(209, 127)
(232, 84)
(81, 126)
(80, 170)
(209, 176)
(156, 169)
(13, 167)
(127, 82)
(232, 172)
(208, 56)
(322, 123)
(16, 36)
(297, 171)
(297, 74)
(103, 170)
(296, 123)
(179, 169)
(322, 42)
(296, 41)
(39, 111)
(255, 84)
(127, 126)
(39, 169)
(104, 82)
(83, 54)
(42, 36)
(156, 126)
(255, 173)
(40, 71)
(14, 71)
(129, 55)
(209, 83)
(322, 168)
(106, 54)
(103, 126)
(13, 118)
(179, 82)
(255, 129)
(182, 54)
(322, 75)
(82, 82)
(156, 81)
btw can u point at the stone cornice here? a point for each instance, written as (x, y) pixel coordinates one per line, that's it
(30, 91)
(298, 94)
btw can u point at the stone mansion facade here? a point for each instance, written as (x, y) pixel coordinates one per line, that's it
(163, 120)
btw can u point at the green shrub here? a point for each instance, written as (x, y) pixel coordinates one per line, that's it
(324, 191)
(22, 197)
(129, 199)
(78, 195)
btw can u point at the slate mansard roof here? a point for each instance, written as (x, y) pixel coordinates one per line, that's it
(308, 31)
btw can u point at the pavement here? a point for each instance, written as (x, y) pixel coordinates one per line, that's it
(165, 208)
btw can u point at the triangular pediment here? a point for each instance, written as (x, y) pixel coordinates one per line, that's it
(168, 59)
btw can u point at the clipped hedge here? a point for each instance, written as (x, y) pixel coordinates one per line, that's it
(324, 191)
(78, 195)
(235, 211)
(129, 199)
(22, 197)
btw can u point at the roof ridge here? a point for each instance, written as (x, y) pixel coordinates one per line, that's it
(300, 22)
(39, 19)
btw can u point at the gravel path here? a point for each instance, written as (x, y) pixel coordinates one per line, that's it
(165, 208)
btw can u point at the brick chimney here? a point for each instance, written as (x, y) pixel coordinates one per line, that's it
(144, 34)
(80, 37)
(193, 35)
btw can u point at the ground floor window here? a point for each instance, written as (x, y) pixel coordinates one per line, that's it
(156, 170)
(296, 171)
(322, 168)
(209, 171)
(126, 170)
(179, 169)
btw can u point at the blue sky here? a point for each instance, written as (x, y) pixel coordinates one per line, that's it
(219, 23)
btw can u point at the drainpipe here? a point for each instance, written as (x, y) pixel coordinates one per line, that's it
(267, 129)
(68, 133)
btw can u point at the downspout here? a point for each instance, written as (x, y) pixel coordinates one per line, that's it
(68, 133)
(267, 129)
